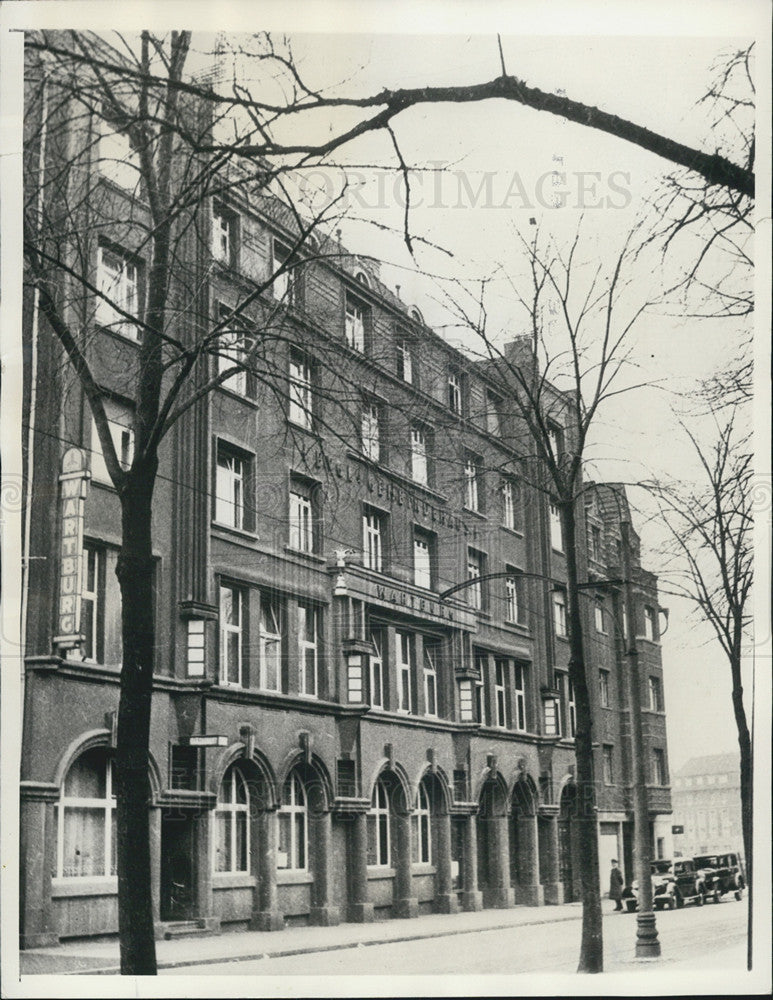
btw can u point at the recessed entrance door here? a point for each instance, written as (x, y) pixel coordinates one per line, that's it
(177, 867)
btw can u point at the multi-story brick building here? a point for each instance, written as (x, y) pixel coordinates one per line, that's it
(707, 805)
(333, 737)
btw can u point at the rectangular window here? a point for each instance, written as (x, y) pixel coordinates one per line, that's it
(119, 158)
(431, 656)
(423, 545)
(493, 414)
(556, 530)
(405, 662)
(118, 281)
(300, 402)
(649, 624)
(512, 510)
(308, 650)
(559, 612)
(481, 665)
(475, 563)
(232, 606)
(598, 616)
(500, 692)
(404, 361)
(571, 707)
(304, 520)
(100, 606)
(659, 767)
(371, 431)
(374, 531)
(377, 639)
(604, 688)
(232, 348)
(519, 692)
(271, 633)
(223, 234)
(655, 693)
(92, 604)
(607, 764)
(119, 420)
(232, 477)
(285, 285)
(472, 483)
(514, 597)
(455, 392)
(419, 467)
(556, 438)
(356, 319)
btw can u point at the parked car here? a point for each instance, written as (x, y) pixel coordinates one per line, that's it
(659, 869)
(721, 873)
(684, 884)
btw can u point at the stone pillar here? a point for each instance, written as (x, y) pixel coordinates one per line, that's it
(552, 887)
(529, 889)
(322, 913)
(472, 898)
(265, 913)
(205, 906)
(405, 904)
(500, 893)
(37, 855)
(445, 897)
(154, 820)
(360, 910)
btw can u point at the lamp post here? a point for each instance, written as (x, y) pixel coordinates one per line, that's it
(647, 943)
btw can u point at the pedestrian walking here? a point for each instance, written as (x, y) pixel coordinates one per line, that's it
(616, 885)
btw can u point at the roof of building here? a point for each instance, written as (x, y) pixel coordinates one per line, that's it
(716, 763)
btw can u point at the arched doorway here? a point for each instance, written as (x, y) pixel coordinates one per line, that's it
(524, 844)
(567, 841)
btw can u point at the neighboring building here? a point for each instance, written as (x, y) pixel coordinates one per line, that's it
(706, 797)
(379, 749)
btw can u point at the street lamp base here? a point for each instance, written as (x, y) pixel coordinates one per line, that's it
(647, 943)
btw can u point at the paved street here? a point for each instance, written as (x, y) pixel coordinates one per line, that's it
(712, 934)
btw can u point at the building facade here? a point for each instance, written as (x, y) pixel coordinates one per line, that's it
(706, 796)
(334, 736)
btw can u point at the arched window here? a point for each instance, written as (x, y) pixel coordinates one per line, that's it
(293, 825)
(232, 835)
(422, 828)
(379, 839)
(86, 818)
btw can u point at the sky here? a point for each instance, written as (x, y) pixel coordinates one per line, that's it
(651, 66)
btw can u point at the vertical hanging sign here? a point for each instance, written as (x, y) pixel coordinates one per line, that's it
(73, 486)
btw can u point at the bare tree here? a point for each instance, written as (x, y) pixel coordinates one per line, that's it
(711, 529)
(574, 359)
(118, 150)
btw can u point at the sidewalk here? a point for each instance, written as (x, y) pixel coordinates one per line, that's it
(100, 956)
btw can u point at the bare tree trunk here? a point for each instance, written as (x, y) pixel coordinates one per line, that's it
(747, 776)
(135, 575)
(592, 945)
